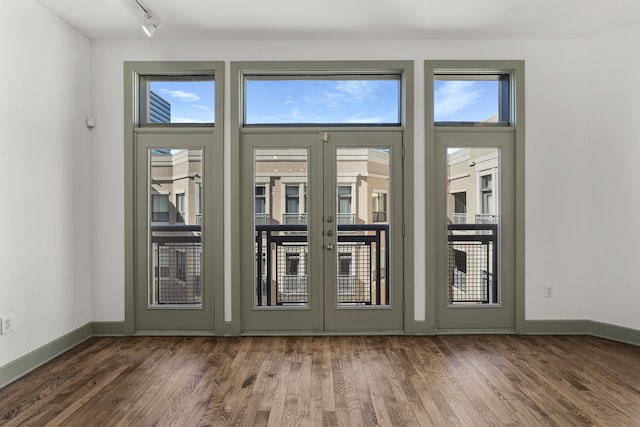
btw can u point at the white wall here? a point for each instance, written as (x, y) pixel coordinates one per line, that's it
(45, 263)
(557, 98)
(614, 178)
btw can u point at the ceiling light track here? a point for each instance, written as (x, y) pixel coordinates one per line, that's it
(151, 21)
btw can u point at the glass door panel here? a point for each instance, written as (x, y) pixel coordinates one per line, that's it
(281, 254)
(363, 176)
(475, 204)
(473, 220)
(362, 231)
(175, 230)
(280, 222)
(176, 247)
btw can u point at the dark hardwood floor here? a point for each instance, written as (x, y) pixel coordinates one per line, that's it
(341, 381)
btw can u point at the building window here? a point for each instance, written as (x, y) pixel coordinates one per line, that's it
(344, 264)
(181, 266)
(180, 211)
(160, 208)
(486, 193)
(261, 215)
(261, 199)
(292, 193)
(379, 207)
(460, 269)
(345, 215)
(294, 212)
(459, 207)
(292, 264)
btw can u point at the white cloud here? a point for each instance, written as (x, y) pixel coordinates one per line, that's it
(181, 95)
(186, 120)
(344, 92)
(201, 107)
(356, 89)
(371, 120)
(454, 96)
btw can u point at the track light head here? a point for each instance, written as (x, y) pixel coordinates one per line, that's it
(151, 24)
(151, 21)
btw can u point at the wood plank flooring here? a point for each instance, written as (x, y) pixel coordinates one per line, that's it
(334, 381)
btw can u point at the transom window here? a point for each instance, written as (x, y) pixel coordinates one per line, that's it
(349, 99)
(478, 99)
(176, 100)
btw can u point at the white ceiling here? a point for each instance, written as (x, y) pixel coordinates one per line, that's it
(348, 19)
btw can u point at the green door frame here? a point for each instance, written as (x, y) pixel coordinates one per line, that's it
(234, 316)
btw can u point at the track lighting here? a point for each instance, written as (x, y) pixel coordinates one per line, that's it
(151, 21)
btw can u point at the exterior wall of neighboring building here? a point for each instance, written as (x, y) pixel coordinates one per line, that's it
(159, 109)
(176, 173)
(466, 167)
(365, 170)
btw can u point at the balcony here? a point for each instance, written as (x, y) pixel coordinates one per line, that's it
(459, 218)
(486, 219)
(262, 218)
(380, 216)
(294, 218)
(346, 218)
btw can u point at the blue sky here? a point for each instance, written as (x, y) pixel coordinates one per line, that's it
(465, 100)
(329, 101)
(191, 101)
(322, 101)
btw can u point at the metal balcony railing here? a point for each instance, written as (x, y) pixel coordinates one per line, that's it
(176, 272)
(282, 257)
(472, 260)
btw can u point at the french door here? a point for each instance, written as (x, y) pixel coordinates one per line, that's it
(321, 232)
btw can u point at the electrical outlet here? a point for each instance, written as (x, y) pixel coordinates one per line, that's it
(548, 292)
(7, 324)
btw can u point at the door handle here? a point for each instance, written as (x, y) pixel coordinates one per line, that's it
(330, 232)
(329, 246)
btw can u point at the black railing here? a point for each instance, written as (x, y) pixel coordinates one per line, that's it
(362, 261)
(176, 253)
(473, 263)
